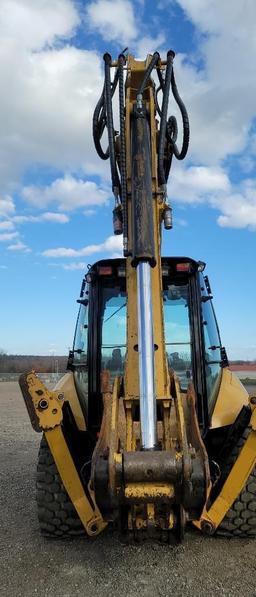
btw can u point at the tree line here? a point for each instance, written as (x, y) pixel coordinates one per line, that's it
(42, 364)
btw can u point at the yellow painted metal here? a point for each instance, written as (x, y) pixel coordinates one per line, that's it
(166, 425)
(113, 435)
(235, 482)
(148, 491)
(136, 71)
(67, 385)
(50, 413)
(114, 404)
(50, 418)
(151, 513)
(180, 412)
(87, 509)
(129, 425)
(232, 396)
(131, 375)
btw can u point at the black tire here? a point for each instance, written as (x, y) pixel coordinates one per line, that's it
(56, 513)
(240, 520)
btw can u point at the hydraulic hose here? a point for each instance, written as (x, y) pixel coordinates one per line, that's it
(168, 133)
(164, 110)
(180, 155)
(171, 132)
(153, 62)
(100, 121)
(110, 124)
(98, 125)
(160, 77)
(121, 62)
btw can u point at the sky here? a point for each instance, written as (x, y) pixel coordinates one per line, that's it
(55, 192)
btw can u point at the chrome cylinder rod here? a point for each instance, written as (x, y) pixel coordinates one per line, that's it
(146, 357)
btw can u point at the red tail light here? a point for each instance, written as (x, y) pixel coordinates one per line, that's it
(105, 270)
(182, 267)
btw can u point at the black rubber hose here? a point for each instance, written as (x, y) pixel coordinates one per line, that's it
(153, 62)
(121, 62)
(110, 124)
(160, 88)
(160, 77)
(163, 123)
(180, 154)
(156, 101)
(99, 120)
(171, 133)
(98, 125)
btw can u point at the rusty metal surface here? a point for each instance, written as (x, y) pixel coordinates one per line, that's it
(174, 477)
(153, 466)
(149, 492)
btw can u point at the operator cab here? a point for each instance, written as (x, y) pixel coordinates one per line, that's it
(192, 340)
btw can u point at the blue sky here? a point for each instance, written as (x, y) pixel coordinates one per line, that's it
(55, 193)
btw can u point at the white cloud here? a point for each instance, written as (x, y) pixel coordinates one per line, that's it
(211, 185)
(48, 91)
(148, 45)
(7, 236)
(6, 225)
(89, 212)
(61, 252)
(238, 210)
(181, 222)
(220, 97)
(112, 243)
(45, 217)
(113, 19)
(19, 246)
(196, 183)
(68, 192)
(215, 17)
(7, 206)
(58, 86)
(54, 217)
(80, 265)
(34, 24)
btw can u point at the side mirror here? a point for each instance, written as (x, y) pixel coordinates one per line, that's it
(206, 297)
(83, 301)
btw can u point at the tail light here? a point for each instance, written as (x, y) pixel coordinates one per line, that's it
(183, 267)
(105, 270)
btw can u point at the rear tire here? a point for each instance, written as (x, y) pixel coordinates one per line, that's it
(56, 513)
(240, 520)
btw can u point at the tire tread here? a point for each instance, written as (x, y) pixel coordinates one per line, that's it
(240, 520)
(56, 513)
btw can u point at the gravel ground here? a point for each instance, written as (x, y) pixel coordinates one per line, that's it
(31, 565)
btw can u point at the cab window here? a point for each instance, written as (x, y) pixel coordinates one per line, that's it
(80, 354)
(212, 345)
(177, 331)
(81, 335)
(113, 345)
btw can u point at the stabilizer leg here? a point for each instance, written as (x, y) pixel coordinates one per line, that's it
(45, 410)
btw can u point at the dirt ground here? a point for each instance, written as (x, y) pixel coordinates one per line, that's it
(31, 565)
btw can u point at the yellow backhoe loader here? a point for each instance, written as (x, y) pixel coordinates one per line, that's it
(148, 430)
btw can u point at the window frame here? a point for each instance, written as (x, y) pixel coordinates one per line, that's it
(94, 289)
(207, 297)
